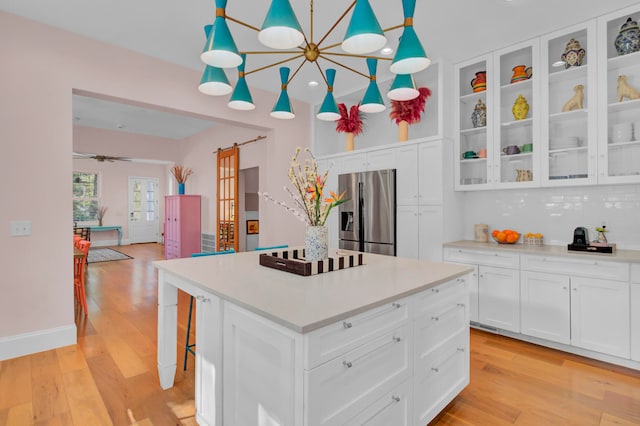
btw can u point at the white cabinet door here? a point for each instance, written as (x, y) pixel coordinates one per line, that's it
(431, 173)
(430, 233)
(635, 321)
(600, 316)
(262, 370)
(354, 163)
(407, 236)
(499, 298)
(407, 175)
(381, 159)
(544, 304)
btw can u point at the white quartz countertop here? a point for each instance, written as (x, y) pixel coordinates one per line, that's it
(302, 303)
(632, 256)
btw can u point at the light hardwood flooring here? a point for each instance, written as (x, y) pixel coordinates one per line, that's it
(110, 376)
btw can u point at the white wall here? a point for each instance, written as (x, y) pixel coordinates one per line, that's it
(556, 212)
(42, 66)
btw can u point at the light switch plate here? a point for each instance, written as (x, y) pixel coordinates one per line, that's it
(20, 228)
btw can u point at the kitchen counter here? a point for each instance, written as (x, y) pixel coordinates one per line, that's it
(303, 304)
(632, 256)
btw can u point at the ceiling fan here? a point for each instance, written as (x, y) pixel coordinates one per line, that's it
(99, 157)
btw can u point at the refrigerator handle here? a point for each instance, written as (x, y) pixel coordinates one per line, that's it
(361, 215)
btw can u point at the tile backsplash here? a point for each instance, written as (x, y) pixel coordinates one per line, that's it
(556, 212)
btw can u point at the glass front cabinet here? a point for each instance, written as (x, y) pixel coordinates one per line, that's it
(569, 69)
(619, 97)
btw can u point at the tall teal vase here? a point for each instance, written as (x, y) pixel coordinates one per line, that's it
(180, 188)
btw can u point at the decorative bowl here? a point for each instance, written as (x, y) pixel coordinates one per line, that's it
(507, 236)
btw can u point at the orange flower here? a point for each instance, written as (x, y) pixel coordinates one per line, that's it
(335, 198)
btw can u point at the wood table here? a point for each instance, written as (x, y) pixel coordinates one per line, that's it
(108, 228)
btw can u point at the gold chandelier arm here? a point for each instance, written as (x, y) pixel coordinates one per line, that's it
(349, 55)
(296, 71)
(237, 21)
(395, 27)
(270, 52)
(337, 22)
(343, 66)
(322, 74)
(310, 20)
(274, 64)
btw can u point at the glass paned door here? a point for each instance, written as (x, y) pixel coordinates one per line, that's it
(227, 222)
(143, 210)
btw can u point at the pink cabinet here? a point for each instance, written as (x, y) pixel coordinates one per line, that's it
(181, 226)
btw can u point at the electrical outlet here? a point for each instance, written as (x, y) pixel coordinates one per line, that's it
(20, 228)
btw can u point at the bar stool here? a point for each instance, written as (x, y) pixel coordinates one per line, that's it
(188, 347)
(79, 265)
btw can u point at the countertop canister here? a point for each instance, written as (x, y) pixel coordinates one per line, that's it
(481, 232)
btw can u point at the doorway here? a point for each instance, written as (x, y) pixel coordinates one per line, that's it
(143, 210)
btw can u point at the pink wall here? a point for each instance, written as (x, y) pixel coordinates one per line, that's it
(41, 68)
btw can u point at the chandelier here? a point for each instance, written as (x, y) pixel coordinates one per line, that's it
(281, 32)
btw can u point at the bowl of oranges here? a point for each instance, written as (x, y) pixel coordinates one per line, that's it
(506, 236)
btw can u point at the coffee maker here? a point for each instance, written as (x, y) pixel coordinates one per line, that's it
(580, 236)
(581, 242)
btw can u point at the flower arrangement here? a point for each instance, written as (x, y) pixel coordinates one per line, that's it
(181, 173)
(310, 207)
(102, 210)
(411, 110)
(349, 122)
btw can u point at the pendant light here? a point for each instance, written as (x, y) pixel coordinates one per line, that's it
(241, 98)
(329, 108)
(372, 101)
(403, 88)
(282, 109)
(281, 29)
(364, 34)
(214, 81)
(220, 50)
(410, 56)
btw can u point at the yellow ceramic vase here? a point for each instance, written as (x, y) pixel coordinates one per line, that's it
(520, 108)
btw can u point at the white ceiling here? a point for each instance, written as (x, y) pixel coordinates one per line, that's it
(173, 30)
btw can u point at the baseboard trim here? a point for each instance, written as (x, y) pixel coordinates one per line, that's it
(37, 341)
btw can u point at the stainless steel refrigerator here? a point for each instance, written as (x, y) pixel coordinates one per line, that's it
(368, 219)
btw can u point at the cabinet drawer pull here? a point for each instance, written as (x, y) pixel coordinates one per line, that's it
(447, 360)
(394, 400)
(447, 312)
(203, 299)
(394, 306)
(435, 369)
(349, 364)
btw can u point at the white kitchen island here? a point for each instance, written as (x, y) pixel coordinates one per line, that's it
(383, 343)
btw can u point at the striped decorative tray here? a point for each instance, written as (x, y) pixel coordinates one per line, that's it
(293, 261)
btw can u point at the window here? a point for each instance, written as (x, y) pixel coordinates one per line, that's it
(85, 196)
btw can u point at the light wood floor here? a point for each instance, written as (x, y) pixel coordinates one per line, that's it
(110, 376)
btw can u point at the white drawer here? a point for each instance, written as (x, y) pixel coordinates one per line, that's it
(336, 339)
(395, 408)
(343, 387)
(589, 267)
(635, 272)
(431, 301)
(435, 331)
(482, 257)
(440, 380)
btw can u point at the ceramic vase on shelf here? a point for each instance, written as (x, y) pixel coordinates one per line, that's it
(520, 108)
(403, 131)
(180, 188)
(479, 114)
(350, 141)
(573, 54)
(316, 243)
(519, 74)
(628, 40)
(479, 83)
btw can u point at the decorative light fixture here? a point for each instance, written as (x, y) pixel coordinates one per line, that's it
(281, 30)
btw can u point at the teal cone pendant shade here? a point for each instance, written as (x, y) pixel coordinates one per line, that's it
(364, 34)
(214, 82)
(220, 50)
(372, 101)
(282, 109)
(410, 56)
(281, 29)
(403, 88)
(329, 108)
(241, 97)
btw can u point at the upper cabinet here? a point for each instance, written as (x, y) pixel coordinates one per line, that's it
(562, 109)
(619, 96)
(568, 131)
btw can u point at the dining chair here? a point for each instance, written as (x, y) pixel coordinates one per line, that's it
(79, 265)
(188, 347)
(76, 239)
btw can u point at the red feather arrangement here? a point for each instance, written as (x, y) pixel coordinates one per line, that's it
(410, 111)
(349, 122)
